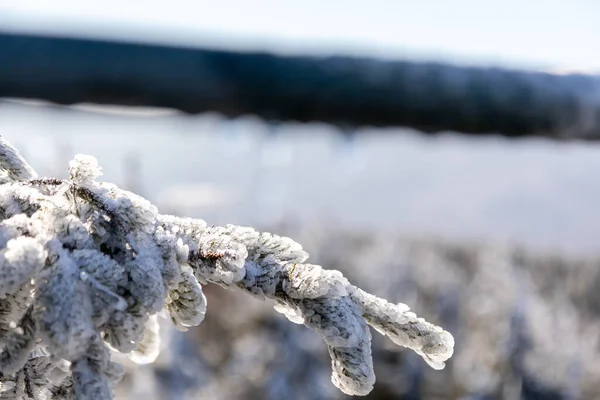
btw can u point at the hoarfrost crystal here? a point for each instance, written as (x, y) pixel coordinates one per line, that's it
(85, 267)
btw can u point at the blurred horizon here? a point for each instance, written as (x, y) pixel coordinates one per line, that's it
(533, 192)
(509, 34)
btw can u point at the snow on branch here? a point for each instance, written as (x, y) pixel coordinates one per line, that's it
(85, 267)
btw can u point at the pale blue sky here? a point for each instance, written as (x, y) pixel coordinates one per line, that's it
(532, 33)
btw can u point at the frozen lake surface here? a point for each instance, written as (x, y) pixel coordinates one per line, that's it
(535, 192)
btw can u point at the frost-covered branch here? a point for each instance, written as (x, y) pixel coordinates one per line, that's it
(13, 166)
(85, 267)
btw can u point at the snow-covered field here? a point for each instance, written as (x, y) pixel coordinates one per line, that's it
(536, 192)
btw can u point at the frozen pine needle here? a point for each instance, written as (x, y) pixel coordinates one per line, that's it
(85, 267)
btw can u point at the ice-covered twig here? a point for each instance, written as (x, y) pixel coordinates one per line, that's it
(86, 266)
(13, 164)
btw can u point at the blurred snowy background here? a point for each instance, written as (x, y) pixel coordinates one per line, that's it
(536, 192)
(495, 240)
